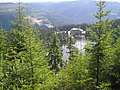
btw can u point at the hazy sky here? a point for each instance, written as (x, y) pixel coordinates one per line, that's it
(34, 0)
(44, 0)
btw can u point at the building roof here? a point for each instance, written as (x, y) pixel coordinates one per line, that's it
(76, 29)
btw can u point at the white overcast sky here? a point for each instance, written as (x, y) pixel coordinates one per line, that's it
(34, 0)
(45, 0)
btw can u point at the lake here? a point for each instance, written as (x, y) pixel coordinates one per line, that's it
(80, 44)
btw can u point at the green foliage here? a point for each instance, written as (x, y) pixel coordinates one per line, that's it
(74, 76)
(63, 37)
(32, 60)
(101, 53)
(114, 72)
(116, 23)
(73, 51)
(3, 48)
(83, 26)
(24, 66)
(46, 34)
(55, 54)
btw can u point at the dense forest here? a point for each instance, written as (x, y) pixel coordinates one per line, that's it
(31, 58)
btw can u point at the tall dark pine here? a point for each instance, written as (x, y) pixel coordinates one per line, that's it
(55, 54)
(99, 33)
(114, 74)
(73, 52)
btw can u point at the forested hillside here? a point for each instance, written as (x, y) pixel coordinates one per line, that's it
(31, 58)
(57, 14)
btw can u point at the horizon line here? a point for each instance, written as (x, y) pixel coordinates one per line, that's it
(54, 1)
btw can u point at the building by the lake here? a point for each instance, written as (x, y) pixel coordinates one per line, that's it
(77, 33)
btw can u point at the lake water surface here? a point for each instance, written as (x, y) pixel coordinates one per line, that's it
(80, 44)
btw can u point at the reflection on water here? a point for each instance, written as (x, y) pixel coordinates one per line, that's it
(80, 44)
(65, 52)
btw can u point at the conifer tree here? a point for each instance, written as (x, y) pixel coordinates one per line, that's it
(73, 51)
(3, 50)
(25, 66)
(55, 54)
(75, 75)
(101, 35)
(14, 63)
(34, 61)
(114, 72)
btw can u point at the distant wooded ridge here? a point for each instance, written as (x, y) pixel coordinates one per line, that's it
(74, 12)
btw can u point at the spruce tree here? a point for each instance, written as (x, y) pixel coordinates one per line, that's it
(25, 66)
(114, 72)
(55, 54)
(73, 51)
(14, 63)
(3, 50)
(101, 35)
